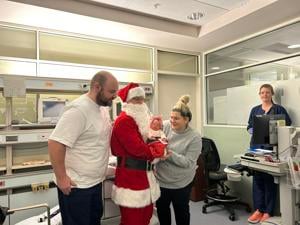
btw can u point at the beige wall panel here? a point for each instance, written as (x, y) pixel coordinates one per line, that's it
(170, 88)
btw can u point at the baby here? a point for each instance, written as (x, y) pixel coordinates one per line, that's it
(155, 131)
(156, 134)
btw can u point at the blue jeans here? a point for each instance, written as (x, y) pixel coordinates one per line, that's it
(83, 206)
(264, 192)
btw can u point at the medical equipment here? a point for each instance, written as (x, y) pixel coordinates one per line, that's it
(4, 211)
(50, 109)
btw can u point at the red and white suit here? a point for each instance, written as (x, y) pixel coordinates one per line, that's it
(134, 190)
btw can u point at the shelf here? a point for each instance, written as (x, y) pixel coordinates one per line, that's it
(27, 178)
(34, 125)
(275, 169)
(11, 137)
(20, 166)
(18, 143)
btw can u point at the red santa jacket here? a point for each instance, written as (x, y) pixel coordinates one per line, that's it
(132, 188)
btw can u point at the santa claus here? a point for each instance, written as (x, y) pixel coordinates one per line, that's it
(135, 188)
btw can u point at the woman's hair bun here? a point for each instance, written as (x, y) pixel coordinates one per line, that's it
(182, 107)
(185, 99)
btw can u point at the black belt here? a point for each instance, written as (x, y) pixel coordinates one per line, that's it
(132, 163)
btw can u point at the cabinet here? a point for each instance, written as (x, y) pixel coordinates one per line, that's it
(110, 209)
(24, 150)
(200, 182)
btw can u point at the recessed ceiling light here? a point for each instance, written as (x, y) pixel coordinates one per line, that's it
(195, 16)
(157, 5)
(215, 68)
(294, 46)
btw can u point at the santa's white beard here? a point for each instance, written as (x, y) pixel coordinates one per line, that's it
(141, 115)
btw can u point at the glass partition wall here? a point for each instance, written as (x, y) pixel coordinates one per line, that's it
(38, 53)
(233, 75)
(45, 53)
(267, 47)
(35, 52)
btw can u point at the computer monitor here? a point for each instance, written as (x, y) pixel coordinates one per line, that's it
(50, 109)
(265, 129)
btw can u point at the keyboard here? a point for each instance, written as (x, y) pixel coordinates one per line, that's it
(239, 167)
(250, 158)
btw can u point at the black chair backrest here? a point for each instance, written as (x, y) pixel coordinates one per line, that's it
(210, 155)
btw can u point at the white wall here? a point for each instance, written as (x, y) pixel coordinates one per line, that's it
(170, 89)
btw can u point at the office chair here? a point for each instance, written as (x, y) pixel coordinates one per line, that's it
(217, 192)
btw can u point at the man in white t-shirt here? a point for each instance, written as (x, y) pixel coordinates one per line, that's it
(79, 150)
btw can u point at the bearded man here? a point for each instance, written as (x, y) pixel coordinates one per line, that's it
(135, 188)
(79, 150)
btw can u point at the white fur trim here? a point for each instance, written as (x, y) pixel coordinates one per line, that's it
(137, 199)
(140, 114)
(154, 186)
(135, 92)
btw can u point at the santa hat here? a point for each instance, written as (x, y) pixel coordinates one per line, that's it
(130, 91)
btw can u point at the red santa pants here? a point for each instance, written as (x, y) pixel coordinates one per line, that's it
(136, 216)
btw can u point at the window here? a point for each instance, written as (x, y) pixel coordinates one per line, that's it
(271, 45)
(15, 67)
(82, 72)
(72, 57)
(17, 43)
(231, 95)
(93, 52)
(177, 62)
(232, 84)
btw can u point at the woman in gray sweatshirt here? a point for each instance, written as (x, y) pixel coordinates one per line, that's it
(176, 173)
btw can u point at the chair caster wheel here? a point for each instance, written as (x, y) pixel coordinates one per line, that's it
(232, 217)
(204, 210)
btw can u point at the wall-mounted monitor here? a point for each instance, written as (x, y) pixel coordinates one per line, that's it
(50, 109)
